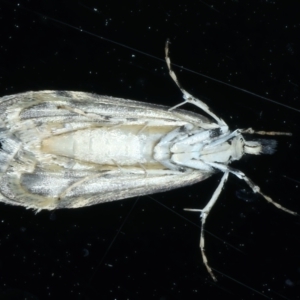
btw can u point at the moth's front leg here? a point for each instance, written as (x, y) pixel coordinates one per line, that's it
(198, 139)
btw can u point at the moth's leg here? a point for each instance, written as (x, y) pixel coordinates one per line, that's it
(204, 214)
(251, 131)
(177, 134)
(164, 160)
(202, 138)
(161, 151)
(188, 98)
(186, 160)
(223, 139)
(251, 184)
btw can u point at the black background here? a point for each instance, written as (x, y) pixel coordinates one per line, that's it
(248, 50)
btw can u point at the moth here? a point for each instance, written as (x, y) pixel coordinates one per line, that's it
(66, 149)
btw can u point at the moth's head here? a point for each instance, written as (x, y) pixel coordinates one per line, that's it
(260, 146)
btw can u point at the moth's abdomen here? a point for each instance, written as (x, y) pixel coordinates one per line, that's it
(119, 145)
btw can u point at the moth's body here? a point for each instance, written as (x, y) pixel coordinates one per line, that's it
(74, 149)
(53, 140)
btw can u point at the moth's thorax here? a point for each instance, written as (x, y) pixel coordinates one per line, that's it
(224, 153)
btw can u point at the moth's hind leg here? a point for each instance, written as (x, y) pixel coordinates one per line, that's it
(161, 152)
(204, 214)
(188, 98)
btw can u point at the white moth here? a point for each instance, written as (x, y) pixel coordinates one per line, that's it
(63, 149)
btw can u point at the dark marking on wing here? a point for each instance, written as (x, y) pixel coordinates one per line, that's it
(63, 94)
